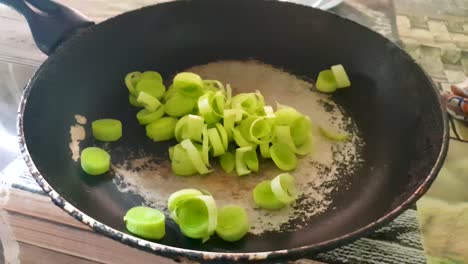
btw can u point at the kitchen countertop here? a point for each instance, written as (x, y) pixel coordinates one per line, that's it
(434, 32)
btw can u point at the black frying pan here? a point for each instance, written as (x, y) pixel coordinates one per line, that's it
(392, 102)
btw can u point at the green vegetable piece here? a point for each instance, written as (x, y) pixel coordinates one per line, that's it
(193, 218)
(205, 146)
(300, 130)
(219, 101)
(179, 105)
(180, 196)
(217, 147)
(286, 116)
(239, 139)
(260, 130)
(284, 189)
(265, 150)
(269, 112)
(131, 80)
(251, 103)
(233, 223)
(227, 161)
(244, 127)
(170, 150)
(264, 198)
(195, 156)
(169, 93)
(145, 117)
(132, 99)
(306, 147)
(181, 163)
(230, 117)
(333, 135)
(341, 77)
(205, 107)
(151, 87)
(161, 129)
(149, 102)
(188, 84)
(213, 85)
(181, 128)
(197, 216)
(251, 160)
(283, 135)
(95, 161)
(107, 129)
(194, 128)
(283, 156)
(241, 164)
(146, 222)
(326, 82)
(223, 134)
(151, 75)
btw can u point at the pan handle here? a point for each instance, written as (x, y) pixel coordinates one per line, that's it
(51, 23)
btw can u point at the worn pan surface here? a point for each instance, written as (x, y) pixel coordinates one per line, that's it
(392, 102)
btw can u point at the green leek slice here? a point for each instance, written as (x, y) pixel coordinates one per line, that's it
(264, 198)
(233, 223)
(146, 222)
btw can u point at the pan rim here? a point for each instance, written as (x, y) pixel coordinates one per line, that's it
(171, 251)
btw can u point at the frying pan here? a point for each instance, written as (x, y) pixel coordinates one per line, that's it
(392, 101)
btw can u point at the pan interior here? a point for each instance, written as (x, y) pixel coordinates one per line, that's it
(391, 104)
